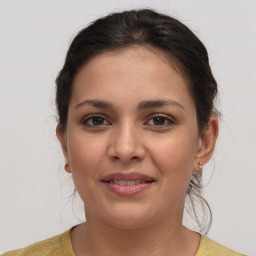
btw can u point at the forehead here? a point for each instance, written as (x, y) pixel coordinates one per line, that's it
(138, 71)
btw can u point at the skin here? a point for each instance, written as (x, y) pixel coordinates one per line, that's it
(161, 141)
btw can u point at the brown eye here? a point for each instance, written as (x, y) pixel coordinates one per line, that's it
(95, 121)
(160, 121)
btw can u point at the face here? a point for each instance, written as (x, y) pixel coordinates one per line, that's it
(132, 138)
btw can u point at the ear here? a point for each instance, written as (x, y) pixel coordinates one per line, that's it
(206, 143)
(63, 142)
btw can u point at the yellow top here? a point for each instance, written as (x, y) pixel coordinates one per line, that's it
(61, 246)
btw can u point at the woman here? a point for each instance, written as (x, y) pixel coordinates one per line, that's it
(135, 101)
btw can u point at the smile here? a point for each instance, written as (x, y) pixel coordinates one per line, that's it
(127, 184)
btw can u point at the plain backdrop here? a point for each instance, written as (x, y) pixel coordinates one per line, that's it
(35, 191)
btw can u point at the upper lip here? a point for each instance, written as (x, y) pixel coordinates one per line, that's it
(127, 176)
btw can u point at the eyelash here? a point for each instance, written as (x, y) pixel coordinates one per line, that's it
(167, 121)
(90, 118)
(164, 118)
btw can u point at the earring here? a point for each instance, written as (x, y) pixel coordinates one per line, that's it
(200, 166)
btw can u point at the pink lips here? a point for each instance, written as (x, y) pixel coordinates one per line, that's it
(126, 184)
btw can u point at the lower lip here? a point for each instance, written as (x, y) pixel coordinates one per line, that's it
(127, 190)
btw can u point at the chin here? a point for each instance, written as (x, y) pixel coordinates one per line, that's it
(130, 218)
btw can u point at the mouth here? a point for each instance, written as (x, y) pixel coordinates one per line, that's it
(127, 184)
(127, 179)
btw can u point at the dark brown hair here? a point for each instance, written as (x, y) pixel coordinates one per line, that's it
(145, 27)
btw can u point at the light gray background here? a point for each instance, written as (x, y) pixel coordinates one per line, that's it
(34, 37)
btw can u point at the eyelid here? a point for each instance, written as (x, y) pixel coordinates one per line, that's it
(89, 117)
(170, 120)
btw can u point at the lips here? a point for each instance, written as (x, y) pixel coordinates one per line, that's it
(133, 176)
(127, 184)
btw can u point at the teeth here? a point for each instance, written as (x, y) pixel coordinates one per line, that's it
(122, 182)
(127, 182)
(130, 182)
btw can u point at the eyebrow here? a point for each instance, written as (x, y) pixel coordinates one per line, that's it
(142, 105)
(96, 103)
(158, 103)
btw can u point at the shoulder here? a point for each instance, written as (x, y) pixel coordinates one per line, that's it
(209, 247)
(55, 246)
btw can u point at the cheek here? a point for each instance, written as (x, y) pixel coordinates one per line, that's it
(174, 156)
(86, 154)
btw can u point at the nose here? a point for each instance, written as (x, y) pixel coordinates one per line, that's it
(126, 144)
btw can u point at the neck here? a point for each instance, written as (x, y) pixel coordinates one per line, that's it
(162, 238)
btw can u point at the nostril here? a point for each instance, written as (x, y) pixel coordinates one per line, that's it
(133, 158)
(125, 153)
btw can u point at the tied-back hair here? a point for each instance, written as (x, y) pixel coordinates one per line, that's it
(147, 28)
